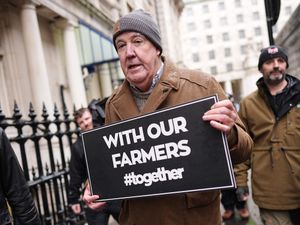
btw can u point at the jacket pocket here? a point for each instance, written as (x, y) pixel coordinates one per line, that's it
(292, 155)
(197, 199)
(293, 122)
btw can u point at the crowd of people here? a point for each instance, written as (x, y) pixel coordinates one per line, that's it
(262, 136)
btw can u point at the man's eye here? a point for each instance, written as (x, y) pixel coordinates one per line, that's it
(269, 61)
(138, 41)
(121, 45)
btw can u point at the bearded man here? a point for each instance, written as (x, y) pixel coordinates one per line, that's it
(271, 115)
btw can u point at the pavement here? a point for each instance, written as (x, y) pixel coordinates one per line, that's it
(254, 218)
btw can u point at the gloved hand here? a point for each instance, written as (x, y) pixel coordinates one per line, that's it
(242, 193)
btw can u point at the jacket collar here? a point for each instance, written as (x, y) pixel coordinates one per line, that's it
(291, 81)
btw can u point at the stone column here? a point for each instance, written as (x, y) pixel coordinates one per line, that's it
(105, 80)
(228, 87)
(74, 73)
(35, 57)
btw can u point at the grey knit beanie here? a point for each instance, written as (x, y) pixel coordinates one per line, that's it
(141, 22)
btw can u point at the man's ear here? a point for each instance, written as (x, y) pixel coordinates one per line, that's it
(158, 53)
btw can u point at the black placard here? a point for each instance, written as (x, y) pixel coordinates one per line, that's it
(165, 152)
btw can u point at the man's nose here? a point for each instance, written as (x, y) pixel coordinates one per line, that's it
(130, 50)
(276, 63)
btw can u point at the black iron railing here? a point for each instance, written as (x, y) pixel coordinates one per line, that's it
(43, 146)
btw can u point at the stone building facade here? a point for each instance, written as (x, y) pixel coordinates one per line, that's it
(289, 39)
(61, 51)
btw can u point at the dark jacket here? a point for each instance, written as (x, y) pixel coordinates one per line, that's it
(14, 189)
(176, 86)
(78, 171)
(275, 159)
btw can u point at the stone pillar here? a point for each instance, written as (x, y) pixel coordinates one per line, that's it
(75, 77)
(105, 80)
(228, 87)
(35, 57)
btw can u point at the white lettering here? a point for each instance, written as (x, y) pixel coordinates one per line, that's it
(155, 153)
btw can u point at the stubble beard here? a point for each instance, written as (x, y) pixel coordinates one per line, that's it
(275, 80)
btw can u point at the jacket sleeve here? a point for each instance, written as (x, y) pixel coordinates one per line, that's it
(78, 172)
(241, 170)
(15, 187)
(241, 173)
(239, 142)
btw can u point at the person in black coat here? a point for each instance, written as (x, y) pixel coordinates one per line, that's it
(14, 190)
(78, 175)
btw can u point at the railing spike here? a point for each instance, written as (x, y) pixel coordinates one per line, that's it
(32, 113)
(47, 168)
(33, 173)
(45, 112)
(56, 112)
(66, 113)
(16, 115)
(2, 115)
(74, 109)
(57, 165)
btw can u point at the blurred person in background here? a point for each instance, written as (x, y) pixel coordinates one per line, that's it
(78, 175)
(16, 203)
(230, 201)
(229, 197)
(271, 115)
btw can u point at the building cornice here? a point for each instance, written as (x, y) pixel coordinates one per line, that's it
(103, 14)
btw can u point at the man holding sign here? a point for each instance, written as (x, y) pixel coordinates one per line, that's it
(154, 83)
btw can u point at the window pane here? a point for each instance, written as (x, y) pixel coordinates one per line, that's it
(196, 57)
(191, 26)
(209, 39)
(78, 43)
(107, 49)
(96, 42)
(221, 5)
(86, 45)
(243, 49)
(194, 42)
(189, 12)
(205, 9)
(229, 67)
(240, 18)
(238, 3)
(227, 52)
(211, 54)
(223, 21)
(242, 34)
(255, 16)
(213, 70)
(225, 36)
(207, 24)
(257, 31)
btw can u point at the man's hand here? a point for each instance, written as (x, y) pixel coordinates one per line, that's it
(242, 193)
(90, 200)
(76, 208)
(222, 116)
